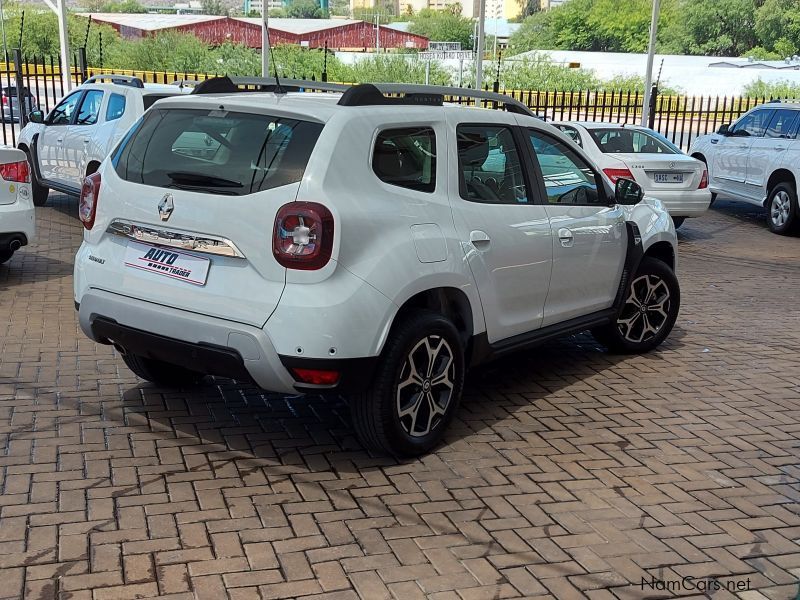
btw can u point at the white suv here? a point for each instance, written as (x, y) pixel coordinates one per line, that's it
(757, 160)
(71, 142)
(359, 243)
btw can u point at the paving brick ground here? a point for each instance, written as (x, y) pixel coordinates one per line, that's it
(569, 472)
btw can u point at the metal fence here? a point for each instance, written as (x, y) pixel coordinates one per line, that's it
(678, 118)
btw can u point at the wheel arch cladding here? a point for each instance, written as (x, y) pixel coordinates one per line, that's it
(779, 176)
(448, 301)
(662, 251)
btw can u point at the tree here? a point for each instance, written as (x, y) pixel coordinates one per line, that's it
(715, 27)
(777, 26)
(304, 9)
(444, 26)
(214, 7)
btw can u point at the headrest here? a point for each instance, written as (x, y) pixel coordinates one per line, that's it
(392, 162)
(473, 149)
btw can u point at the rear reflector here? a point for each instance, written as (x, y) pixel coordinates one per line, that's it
(316, 376)
(703, 180)
(614, 174)
(16, 171)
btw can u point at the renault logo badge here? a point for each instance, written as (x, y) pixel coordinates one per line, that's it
(165, 207)
(672, 165)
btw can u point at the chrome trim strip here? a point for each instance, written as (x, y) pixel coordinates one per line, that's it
(183, 240)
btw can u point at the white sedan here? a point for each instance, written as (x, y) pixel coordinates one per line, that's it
(655, 163)
(17, 222)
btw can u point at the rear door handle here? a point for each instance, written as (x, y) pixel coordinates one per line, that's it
(779, 148)
(479, 239)
(566, 237)
(59, 140)
(86, 140)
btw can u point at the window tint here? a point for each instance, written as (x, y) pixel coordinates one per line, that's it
(116, 107)
(782, 124)
(490, 166)
(90, 108)
(217, 152)
(406, 158)
(568, 179)
(62, 114)
(631, 141)
(752, 124)
(571, 133)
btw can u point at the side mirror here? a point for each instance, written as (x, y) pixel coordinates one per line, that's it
(36, 116)
(627, 192)
(724, 130)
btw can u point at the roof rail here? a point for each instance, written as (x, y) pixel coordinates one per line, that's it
(128, 80)
(365, 95)
(230, 85)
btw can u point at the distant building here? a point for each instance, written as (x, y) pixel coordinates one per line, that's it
(257, 5)
(339, 34)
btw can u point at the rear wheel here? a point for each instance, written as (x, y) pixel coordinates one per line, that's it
(678, 221)
(648, 313)
(416, 389)
(40, 192)
(5, 255)
(160, 372)
(782, 209)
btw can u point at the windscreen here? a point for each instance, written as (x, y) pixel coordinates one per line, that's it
(630, 141)
(216, 151)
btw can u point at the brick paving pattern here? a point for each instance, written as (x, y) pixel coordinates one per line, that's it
(568, 472)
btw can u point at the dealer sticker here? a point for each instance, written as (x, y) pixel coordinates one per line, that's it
(168, 262)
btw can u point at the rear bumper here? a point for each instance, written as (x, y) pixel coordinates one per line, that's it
(206, 344)
(17, 222)
(684, 203)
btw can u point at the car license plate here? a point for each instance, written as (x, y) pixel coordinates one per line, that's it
(168, 262)
(668, 177)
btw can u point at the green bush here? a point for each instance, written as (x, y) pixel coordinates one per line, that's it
(772, 89)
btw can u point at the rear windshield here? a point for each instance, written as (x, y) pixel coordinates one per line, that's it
(631, 141)
(216, 151)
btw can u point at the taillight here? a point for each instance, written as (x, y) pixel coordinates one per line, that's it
(87, 207)
(5, 99)
(703, 180)
(316, 376)
(614, 174)
(302, 237)
(16, 171)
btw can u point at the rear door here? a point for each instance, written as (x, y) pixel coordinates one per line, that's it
(211, 175)
(732, 151)
(766, 150)
(588, 233)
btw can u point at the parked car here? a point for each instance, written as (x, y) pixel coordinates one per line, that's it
(655, 163)
(10, 103)
(757, 160)
(70, 143)
(17, 222)
(366, 245)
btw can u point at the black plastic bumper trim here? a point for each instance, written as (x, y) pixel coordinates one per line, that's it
(355, 374)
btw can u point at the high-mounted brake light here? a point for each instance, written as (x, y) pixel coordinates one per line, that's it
(302, 237)
(703, 180)
(316, 376)
(614, 174)
(19, 172)
(87, 207)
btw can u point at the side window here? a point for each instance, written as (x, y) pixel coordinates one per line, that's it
(568, 179)
(90, 108)
(62, 113)
(406, 158)
(490, 165)
(116, 107)
(753, 124)
(782, 124)
(571, 133)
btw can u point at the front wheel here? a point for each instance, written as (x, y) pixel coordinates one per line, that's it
(416, 389)
(648, 313)
(782, 209)
(678, 221)
(160, 372)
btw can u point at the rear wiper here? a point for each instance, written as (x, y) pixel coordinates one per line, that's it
(202, 180)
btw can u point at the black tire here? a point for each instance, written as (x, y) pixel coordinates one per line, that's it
(376, 412)
(40, 192)
(629, 333)
(5, 255)
(160, 372)
(713, 199)
(782, 209)
(678, 221)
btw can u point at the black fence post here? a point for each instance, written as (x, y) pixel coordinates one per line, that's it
(325, 63)
(651, 115)
(22, 100)
(82, 68)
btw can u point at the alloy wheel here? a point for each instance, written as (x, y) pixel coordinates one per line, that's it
(646, 309)
(779, 208)
(426, 385)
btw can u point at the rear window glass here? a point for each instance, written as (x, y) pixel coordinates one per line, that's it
(217, 152)
(630, 141)
(406, 158)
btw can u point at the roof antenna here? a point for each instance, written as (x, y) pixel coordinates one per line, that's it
(278, 87)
